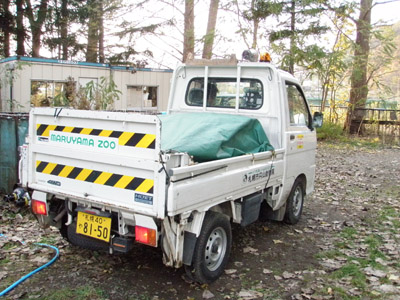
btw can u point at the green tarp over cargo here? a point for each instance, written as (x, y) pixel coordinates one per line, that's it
(207, 136)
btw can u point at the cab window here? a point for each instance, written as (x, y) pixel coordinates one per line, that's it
(221, 92)
(298, 110)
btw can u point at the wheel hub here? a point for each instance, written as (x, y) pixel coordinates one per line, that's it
(215, 248)
(297, 200)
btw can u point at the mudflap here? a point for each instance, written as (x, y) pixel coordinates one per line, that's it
(83, 241)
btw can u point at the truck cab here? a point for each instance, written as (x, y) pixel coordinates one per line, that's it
(257, 90)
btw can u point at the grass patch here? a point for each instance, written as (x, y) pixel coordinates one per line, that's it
(388, 212)
(81, 293)
(330, 140)
(358, 278)
(9, 214)
(396, 225)
(330, 254)
(331, 132)
(369, 143)
(348, 232)
(373, 241)
(391, 215)
(343, 244)
(341, 293)
(48, 240)
(9, 246)
(4, 261)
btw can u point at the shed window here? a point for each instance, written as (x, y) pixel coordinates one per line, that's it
(142, 97)
(47, 93)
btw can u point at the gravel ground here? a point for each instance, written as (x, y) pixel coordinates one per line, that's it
(346, 246)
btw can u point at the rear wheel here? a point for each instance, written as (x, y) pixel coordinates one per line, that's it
(212, 249)
(294, 204)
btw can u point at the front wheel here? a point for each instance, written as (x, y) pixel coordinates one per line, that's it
(212, 249)
(294, 204)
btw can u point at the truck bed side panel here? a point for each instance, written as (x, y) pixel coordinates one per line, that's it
(207, 184)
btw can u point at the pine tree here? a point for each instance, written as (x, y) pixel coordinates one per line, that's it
(6, 25)
(36, 18)
(301, 20)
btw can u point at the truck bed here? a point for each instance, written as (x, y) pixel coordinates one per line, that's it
(113, 160)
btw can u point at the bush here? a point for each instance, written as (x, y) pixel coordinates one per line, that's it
(330, 131)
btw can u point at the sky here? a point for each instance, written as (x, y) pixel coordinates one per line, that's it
(388, 12)
(228, 42)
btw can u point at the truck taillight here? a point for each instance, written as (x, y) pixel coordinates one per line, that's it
(146, 236)
(39, 207)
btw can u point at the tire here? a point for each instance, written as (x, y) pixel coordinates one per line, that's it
(294, 203)
(212, 249)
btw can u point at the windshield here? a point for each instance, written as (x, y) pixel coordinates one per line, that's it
(221, 92)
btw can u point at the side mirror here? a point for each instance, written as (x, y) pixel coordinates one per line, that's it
(318, 119)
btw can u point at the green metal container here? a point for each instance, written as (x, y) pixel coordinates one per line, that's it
(13, 129)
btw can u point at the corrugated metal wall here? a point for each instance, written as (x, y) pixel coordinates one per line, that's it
(13, 129)
(35, 69)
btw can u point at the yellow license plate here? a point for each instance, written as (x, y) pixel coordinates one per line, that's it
(94, 226)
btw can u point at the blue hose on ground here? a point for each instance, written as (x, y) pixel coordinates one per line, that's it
(2, 293)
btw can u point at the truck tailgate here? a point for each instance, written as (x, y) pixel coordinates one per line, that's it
(107, 158)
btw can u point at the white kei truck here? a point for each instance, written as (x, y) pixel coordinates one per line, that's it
(106, 180)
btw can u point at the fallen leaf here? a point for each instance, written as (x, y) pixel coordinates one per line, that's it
(249, 250)
(208, 295)
(249, 295)
(388, 288)
(287, 275)
(3, 275)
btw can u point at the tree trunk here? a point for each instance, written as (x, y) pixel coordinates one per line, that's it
(20, 28)
(36, 35)
(101, 32)
(359, 81)
(6, 26)
(256, 23)
(93, 32)
(210, 35)
(188, 35)
(325, 90)
(36, 25)
(64, 29)
(292, 36)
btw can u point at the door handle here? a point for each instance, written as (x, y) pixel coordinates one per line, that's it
(292, 137)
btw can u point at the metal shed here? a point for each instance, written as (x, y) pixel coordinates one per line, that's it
(27, 82)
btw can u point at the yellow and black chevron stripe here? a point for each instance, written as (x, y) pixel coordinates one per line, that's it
(104, 178)
(132, 139)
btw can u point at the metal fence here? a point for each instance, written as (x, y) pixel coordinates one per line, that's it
(377, 122)
(13, 129)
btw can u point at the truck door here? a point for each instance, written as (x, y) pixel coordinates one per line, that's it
(300, 138)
